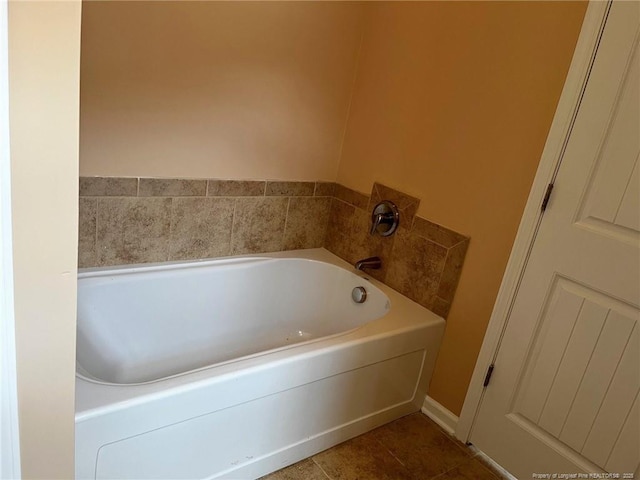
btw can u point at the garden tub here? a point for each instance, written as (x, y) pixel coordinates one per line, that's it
(236, 367)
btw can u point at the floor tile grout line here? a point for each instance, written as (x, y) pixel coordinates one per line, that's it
(320, 467)
(446, 471)
(440, 475)
(389, 451)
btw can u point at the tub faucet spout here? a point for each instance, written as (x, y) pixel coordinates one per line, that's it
(371, 262)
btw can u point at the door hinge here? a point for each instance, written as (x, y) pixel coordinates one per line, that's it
(547, 196)
(487, 377)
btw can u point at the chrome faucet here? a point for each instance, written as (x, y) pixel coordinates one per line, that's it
(371, 262)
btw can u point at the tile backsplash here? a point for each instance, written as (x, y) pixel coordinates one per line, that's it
(131, 220)
(141, 220)
(422, 260)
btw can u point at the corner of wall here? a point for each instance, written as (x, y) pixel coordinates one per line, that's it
(44, 72)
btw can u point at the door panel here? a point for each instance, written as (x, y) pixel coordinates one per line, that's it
(616, 406)
(625, 453)
(604, 362)
(564, 392)
(557, 326)
(611, 179)
(628, 213)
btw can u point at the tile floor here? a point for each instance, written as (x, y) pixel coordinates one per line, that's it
(411, 448)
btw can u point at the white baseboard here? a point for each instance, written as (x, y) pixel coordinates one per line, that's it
(439, 414)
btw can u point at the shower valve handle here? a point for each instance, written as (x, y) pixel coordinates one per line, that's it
(384, 219)
(377, 219)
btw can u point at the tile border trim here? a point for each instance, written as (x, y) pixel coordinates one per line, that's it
(99, 186)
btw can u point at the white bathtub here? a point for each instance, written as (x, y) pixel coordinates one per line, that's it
(237, 367)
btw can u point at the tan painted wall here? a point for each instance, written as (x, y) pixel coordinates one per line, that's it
(44, 75)
(452, 104)
(216, 89)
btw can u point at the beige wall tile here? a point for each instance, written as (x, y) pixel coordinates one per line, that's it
(341, 216)
(258, 225)
(307, 221)
(402, 200)
(171, 187)
(352, 197)
(200, 228)
(133, 230)
(236, 188)
(452, 270)
(290, 188)
(337, 243)
(407, 205)
(441, 307)
(87, 232)
(415, 267)
(324, 189)
(108, 187)
(338, 228)
(437, 233)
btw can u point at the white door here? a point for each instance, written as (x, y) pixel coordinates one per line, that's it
(563, 397)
